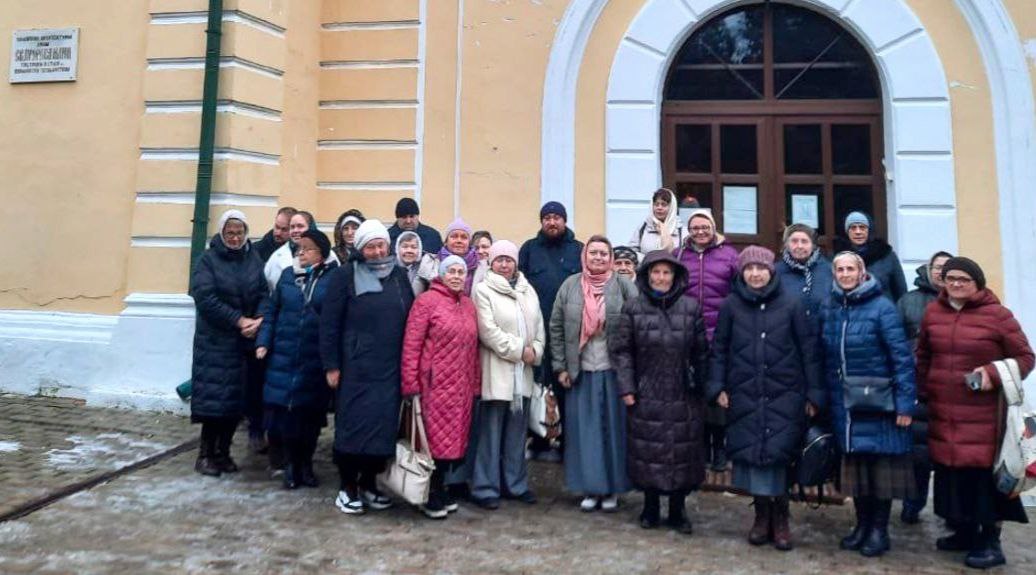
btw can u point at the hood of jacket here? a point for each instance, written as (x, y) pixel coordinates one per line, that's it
(868, 289)
(923, 282)
(679, 278)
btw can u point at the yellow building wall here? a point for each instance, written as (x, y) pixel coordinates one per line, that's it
(68, 155)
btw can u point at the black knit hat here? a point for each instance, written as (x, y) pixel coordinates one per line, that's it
(320, 239)
(967, 266)
(624, 253)
(407, 207)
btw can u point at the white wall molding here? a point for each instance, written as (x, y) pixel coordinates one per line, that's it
(133, 359)
(918, 127)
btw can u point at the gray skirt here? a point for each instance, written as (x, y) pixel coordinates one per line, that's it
(595, 436)
(759, 480)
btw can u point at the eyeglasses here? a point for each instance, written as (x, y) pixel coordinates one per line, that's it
(700, 229)
(958, 280)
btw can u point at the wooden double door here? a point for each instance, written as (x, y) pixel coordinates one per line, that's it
(761, 172)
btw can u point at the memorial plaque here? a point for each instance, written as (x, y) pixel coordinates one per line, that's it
(49, 55)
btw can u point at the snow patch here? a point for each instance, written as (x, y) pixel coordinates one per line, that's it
(112, 450)
(9, 446)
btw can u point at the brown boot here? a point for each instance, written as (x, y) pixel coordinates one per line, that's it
(760, 532)
(779, 519)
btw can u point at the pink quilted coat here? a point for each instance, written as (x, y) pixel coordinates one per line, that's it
(440, 363)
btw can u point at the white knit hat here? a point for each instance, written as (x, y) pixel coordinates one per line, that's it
(369, 230)
(232, 215)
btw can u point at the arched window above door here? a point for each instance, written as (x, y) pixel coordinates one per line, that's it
(772, 52)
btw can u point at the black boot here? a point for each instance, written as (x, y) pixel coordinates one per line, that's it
(987, 553)
(206, 463)
(649, 517)
(677, 519)
(854, 539)
(877, 541)
(963, 538)
(226, 438)
(719, 450)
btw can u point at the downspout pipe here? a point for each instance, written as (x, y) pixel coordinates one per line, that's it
(206, 145)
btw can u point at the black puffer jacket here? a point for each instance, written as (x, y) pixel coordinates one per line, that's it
(766, 356)
(657, 337)
(911, 308)
(226, 286)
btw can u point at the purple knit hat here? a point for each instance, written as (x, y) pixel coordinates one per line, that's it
(457, 224)
(755, 255)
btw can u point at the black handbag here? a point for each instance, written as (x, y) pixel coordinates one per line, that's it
(819, 458)
(865, 394)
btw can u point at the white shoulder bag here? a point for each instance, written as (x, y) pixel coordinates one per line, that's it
(409, 475)
(1015, 465)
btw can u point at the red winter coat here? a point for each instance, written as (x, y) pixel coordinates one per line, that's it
(440, 363)
(964, 426)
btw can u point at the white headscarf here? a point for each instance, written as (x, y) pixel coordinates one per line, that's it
(369, 230)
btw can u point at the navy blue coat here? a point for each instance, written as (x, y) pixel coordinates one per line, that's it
(765, 355)
(363, 337)
(226, 285)
(291, 334)
(547, 263)
(794, 281)
(876, 346)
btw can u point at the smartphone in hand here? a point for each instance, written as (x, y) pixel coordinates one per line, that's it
(974, 381)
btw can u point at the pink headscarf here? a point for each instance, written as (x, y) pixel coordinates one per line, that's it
(593, 297)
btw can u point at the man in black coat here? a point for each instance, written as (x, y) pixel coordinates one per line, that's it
(546, 261)
(276, 237)
(408, 219)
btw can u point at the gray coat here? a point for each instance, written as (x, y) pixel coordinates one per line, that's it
(566, 319)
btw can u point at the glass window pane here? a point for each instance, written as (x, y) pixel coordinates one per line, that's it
(836, 81)
(803, 149)
(715, 84)
(851, 148)
(689, 192)
(694, 148)
(721, 61)
(804, 204)
(849, 199)
(738, 149)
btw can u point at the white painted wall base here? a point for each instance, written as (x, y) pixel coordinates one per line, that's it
(134, 359)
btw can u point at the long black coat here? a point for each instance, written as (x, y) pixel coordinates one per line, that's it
(363, 337)
(766, 356)
(657, 337)
(226, 286)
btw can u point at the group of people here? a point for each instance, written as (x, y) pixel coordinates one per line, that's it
(667, 355)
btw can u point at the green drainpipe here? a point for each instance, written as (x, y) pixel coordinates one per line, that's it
(203, 189)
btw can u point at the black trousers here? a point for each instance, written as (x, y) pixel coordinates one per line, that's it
(254, 407)
(217, 433)
(356, 470)
(297, 430)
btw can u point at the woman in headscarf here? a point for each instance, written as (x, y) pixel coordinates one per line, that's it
(510, 328)
(296, 393)
(345, 234)
(440, 365)
(361, 345)
(962, 334)
(864, 344)
(662, 230)
(227, 287)
(408, 254)
(660, 355)
(586, 313)
(624, 262)
(766, 372)
(457, 243)
(711, 265)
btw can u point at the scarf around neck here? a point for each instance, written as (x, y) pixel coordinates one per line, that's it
(594, 315)
(805, 268)
(369, 273)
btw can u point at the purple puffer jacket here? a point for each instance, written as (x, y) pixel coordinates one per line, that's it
(710, 276)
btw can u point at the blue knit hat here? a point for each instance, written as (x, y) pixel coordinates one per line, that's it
(553, 208)
(857, 218)
(452, 260)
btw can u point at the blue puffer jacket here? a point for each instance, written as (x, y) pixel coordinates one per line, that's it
(794, 281)
(875, 346)
(291, 333)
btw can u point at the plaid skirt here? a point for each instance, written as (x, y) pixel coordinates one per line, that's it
(878, 475)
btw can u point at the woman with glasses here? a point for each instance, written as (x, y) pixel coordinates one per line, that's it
(962, 334)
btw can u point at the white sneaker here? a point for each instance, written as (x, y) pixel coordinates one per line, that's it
(345, 504)
(610, 504)
(375, 500)
(589, 503)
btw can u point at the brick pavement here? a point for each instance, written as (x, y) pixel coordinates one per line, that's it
(47, 444)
